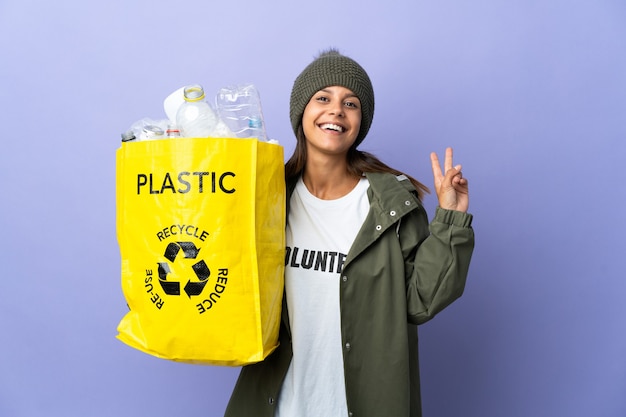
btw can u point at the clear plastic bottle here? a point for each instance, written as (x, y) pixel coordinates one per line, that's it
(195, 117)
(128, 136)
(172, 131)
(151, 132)
(240, 108)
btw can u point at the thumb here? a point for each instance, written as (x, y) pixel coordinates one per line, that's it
(451, 173)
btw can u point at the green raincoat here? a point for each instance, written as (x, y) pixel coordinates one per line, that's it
(399, 272)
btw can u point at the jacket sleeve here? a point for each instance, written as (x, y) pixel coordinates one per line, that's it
(437, 269)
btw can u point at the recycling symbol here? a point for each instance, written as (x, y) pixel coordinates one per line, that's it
(200, 268)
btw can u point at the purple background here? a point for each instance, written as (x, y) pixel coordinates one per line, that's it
(531, 94)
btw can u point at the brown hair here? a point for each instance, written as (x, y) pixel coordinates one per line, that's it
(359, 162)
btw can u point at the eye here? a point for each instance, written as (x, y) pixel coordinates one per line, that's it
(321, 98)
(352, 104)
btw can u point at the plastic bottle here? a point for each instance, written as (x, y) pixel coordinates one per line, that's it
(128, 136)
(240, 108)
(147, 129)
(195, 117)
(151, 132)
(172, 131)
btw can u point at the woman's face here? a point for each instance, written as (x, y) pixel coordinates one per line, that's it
(331, 121)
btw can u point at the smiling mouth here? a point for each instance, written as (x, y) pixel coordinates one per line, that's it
(333, 127)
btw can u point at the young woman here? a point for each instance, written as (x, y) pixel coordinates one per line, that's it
(363, 266)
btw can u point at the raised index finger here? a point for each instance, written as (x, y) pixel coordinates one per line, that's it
(434, 161)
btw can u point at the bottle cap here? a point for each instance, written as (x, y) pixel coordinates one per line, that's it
(128, 136)
(173, 132)
(194, 92)
(151, 131)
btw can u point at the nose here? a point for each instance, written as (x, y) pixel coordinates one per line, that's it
(337, 110)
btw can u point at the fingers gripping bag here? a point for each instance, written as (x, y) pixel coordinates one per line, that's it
(201, 231)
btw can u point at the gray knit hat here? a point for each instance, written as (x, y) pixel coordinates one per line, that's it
(329, 69)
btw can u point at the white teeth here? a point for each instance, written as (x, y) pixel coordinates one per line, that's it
(331, 126)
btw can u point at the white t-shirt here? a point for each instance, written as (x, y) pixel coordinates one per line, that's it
(319, 236)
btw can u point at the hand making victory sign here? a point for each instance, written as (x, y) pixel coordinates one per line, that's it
(452, 189)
